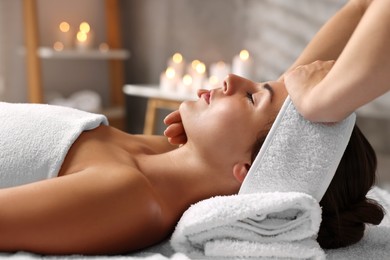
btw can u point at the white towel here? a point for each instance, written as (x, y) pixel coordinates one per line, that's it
(374, 245)
(251, 225)
(35, 138)
(298, 155)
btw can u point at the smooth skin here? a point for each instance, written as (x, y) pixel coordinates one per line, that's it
(345, 66)
(358, 39)
(114, 193)
(118, 192)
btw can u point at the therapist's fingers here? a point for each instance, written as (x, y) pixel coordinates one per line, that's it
(174, 129)
(307, 76)
(313, 67)
(301, 84)
(173, 117)
(178, 140)
(176, 133)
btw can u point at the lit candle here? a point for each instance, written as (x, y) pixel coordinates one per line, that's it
(58, 46)
(243, 65)
(168, 80)
(218, 72)
(199, 74)
(200, 68)
(185, 86)
(84, 37)
(65, 35)
(177, 63)
(191, 68)
(213, 82)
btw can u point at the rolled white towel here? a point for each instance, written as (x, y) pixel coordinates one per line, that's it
(251, 225)
(298, 155)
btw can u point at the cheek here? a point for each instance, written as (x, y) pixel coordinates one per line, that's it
(225, 120)
(230, 121)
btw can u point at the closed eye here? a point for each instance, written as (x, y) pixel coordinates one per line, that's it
(270, 89)
(250, 97)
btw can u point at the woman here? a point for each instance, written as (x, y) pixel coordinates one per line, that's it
(118, 192)
(358, 38)
(345, 208)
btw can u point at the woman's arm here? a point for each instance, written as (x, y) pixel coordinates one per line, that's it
(361, 72)
(331, 39)
(102, 210)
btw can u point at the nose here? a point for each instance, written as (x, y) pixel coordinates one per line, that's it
(232, 83)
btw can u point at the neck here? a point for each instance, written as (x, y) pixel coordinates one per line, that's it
(181, 177)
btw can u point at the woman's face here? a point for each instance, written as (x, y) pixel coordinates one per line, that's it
(230, 118)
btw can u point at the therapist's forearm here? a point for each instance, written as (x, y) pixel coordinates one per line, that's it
(331, 39)
(361, 73)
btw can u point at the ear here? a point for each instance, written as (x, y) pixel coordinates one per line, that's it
(240, 170)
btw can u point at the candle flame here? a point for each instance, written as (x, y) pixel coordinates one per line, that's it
(177, 58)
(82, 36)
(244, 55)
(84, 27)
(194, 63)
(170, 73)
(200, 68)
(213, 80)
(64, 27)
(58, 46)
(187, 79)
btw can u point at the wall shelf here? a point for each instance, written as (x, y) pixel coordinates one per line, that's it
(114, 56)
(50, 53)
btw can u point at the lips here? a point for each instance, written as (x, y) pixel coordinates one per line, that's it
(206, 97)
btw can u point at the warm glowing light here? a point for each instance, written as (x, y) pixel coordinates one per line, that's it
(170, 72)
(244, 55)
(194, 63)
(200, 68)
(187, 79)
(64, 27)
(177, 58)
(84, 27)
(58, 46)
(213, 80)
(82, 36)
(221, 64)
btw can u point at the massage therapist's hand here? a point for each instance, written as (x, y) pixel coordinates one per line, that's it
(175, 130)
(301, 81)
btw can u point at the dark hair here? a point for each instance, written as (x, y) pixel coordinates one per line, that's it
(345, 207)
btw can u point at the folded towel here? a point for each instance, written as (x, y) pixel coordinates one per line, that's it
(35, 138)
(298, 155)
(251, 225)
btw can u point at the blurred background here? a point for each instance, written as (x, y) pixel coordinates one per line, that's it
(131, 42)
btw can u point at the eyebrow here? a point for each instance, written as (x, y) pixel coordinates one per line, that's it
(270, 89)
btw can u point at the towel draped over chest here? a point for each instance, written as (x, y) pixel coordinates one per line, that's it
(35, 138)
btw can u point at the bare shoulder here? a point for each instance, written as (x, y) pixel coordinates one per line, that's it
(136, 215)
(100, 210)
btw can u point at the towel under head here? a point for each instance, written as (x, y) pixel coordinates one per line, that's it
(298, 155)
